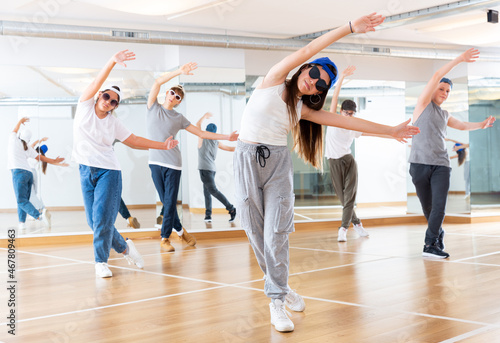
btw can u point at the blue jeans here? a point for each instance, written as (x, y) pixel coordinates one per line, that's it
(167, 182)
(123, 210)
(23, 181)
(210, 189)
(432, 184)
(102, 190)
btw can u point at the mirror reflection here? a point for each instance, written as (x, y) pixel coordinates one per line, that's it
(49, 100)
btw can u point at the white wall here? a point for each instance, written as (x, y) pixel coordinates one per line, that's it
(381, 162)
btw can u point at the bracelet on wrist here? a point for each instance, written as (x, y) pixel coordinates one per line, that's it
(350, 26)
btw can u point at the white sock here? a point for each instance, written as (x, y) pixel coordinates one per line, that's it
(180, 232)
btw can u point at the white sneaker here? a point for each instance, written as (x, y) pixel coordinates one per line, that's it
(342, 235)
(360, 230)
(279, 317)
(45, 218)
(133, 256)
(102, 270)
(22, 227)
(295, 302)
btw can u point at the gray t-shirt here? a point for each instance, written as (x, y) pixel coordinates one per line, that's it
(429, 146)
(207, 154)
(161, 124)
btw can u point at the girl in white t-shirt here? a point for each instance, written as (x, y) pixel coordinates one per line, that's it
(262, 163)
(22, 177)
(95, 131)
(39, 167)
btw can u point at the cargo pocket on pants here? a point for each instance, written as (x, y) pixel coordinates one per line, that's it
(243, 207)
(284, 214)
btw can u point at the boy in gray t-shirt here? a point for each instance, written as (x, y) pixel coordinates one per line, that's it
(429, 162)
(207, 152)
(163, 120)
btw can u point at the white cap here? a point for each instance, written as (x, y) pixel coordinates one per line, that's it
(25, 135)
(111, 88)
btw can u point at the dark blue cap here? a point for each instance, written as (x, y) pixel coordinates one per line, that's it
(325, 62)
(43, 149)
(211, 128)
(448, 81)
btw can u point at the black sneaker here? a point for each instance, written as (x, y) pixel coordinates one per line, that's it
(440, 240)
(434, 251)
(232, 213)
(208, 219)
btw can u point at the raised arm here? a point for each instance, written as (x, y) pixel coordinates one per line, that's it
(186, 69)
(425, 97)
(19, 123)
(335, 98)
(210, 135)
(55, 161)
(141, 143)
(120, 57)
(39, 141)
(468, 126)
(323, 117)
(278, 73)
(207, 115)
(226, 147)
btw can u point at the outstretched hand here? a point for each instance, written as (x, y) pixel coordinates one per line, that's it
(170, 143)
(470, 55)
(348, 71)
(208, 115)
(24, 120)
(367, 23)
(403, 131)
(187, 68)
(58, 159)
(488, 122)
(123, 56)
(233, 136)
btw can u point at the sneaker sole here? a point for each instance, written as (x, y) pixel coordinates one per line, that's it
(426, 254)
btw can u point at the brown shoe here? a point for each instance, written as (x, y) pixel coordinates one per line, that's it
(165, 245)
(159, 219)
(186, 237)
(133, 222)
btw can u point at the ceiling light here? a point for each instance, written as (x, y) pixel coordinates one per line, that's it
(454, 23)
(198, 8)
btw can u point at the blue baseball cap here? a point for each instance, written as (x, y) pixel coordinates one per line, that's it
(325, 62)
(43, 149)
(457, 145)
(211, 128)
(448, 81)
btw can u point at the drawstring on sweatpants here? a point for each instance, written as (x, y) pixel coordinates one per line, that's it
(262, 154)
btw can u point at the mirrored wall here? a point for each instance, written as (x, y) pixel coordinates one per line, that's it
(50, 99)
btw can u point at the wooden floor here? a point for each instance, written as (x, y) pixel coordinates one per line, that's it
(376, 289)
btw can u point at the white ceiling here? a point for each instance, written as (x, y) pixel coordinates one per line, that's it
(275, 18)
(258, 18)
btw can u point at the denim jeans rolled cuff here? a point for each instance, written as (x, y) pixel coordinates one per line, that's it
(101, 190)
(23, 182)
(167, 181)
(123, 210)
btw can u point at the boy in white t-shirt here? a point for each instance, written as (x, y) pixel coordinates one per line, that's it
(95, 131)
(343, 167)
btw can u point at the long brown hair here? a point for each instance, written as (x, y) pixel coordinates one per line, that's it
(307, 136)
(44, 164)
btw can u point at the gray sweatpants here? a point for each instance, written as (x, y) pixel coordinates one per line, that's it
(265, 200)
(344, 174)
